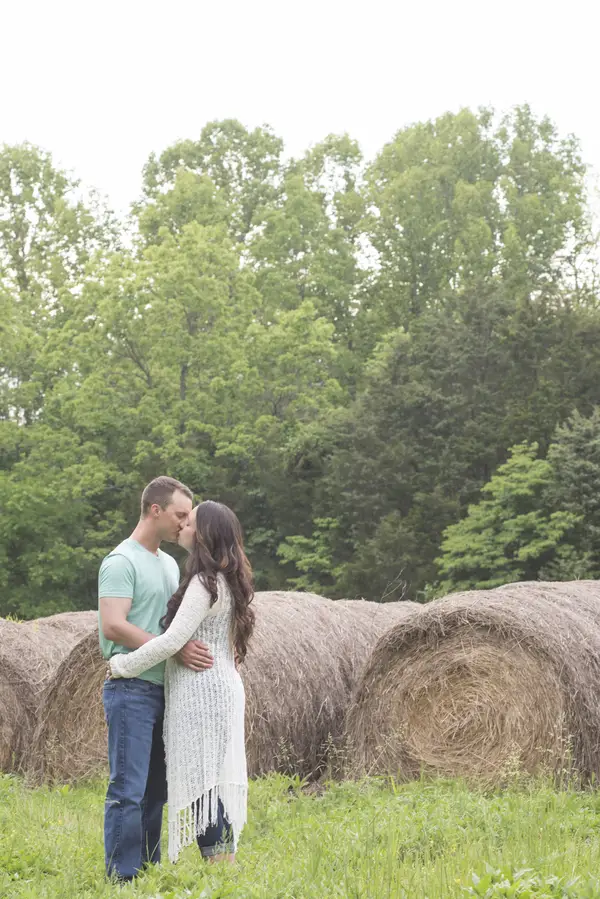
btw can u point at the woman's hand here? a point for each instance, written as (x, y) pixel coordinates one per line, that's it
(111, 674)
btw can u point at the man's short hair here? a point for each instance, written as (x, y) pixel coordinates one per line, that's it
(159, 492)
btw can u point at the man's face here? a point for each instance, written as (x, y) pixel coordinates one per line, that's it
(187, 535)
(173, 518)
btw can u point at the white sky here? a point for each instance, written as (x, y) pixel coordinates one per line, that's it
(102, 84)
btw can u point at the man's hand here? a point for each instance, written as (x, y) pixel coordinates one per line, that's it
(195, 655)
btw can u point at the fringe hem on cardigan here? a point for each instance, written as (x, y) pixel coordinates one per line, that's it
(189, 822)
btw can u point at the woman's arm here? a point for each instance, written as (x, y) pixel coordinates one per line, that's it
(194, 607)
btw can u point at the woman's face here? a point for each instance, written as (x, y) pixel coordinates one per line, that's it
(187, 534)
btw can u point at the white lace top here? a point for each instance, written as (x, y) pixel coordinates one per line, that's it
(204, 717)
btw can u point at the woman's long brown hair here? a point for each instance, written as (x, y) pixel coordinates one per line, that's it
(219, 548)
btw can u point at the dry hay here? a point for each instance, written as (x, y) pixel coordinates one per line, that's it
(370, 621)
(300, 671)
(30, 651)
(484, 682)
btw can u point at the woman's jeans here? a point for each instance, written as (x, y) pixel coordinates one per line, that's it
(217, 839)
(137, 790)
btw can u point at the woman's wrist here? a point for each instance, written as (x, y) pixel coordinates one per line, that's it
(113, 667)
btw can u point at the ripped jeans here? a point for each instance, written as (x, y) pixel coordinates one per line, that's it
(137, 790)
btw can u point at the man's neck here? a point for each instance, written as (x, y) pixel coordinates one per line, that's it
(146, 536)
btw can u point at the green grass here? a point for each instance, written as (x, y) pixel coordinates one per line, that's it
(371, 839)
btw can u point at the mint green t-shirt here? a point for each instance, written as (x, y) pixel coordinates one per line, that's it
(133, 572)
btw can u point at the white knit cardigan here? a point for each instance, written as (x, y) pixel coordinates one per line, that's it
(204, 717)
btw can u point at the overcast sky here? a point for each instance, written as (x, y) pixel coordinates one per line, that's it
(101, 85)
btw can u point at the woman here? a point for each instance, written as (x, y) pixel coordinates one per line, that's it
(204, 711)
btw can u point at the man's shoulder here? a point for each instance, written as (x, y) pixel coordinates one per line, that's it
(117, 574)
(118, 555)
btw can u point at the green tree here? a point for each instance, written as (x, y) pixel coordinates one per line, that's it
(162, 332)
(343, 356)
(507, 536)
(544, 217)
(283, 389)
(425, 432)
(154, 335)
(47, 233)
(228, 169)
(460, 205)
(47, 237)
(310, 243)
(312, 556)
(62, 509)
(470, 350)
(574, 456)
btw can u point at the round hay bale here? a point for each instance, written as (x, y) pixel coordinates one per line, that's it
(364, 623)
(484, 682)
(29, 653)
(299, 674)
(69, 741)
(370, 621)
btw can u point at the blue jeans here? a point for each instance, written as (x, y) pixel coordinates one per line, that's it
(137, 789)
(217, 838)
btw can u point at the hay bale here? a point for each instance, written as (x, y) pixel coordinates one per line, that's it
(69, 741)
(30, 651)
(480, 682)
(299, 675)
(300, 671)
(370, 621)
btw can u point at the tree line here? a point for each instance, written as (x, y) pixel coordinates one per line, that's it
(389, 369)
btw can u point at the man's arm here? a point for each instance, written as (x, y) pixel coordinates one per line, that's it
(116, 586)
(113, 617)
(194, 608)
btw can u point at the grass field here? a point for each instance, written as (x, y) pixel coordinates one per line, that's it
(373, 839)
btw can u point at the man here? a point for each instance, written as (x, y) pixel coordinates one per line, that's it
(136, 581)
